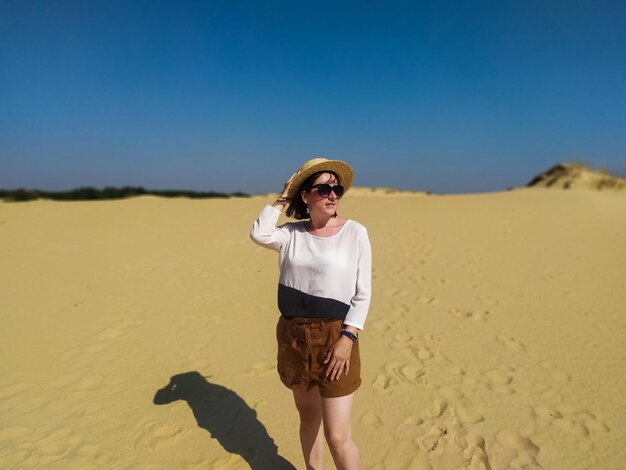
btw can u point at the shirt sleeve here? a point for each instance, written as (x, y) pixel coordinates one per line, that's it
(264, 230)
(360, 303)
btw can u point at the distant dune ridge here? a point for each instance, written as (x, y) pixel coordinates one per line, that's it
(577, 176)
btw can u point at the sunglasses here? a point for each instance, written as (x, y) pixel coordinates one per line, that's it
(324, 190)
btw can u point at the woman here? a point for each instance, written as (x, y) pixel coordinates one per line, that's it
(323, 297)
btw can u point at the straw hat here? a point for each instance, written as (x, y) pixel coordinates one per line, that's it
(344, 172)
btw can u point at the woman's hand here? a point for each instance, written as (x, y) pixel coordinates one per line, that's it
(288, 184)
(283, 199)
(338, 358)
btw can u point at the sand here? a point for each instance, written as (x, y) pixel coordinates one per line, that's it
(139, 334)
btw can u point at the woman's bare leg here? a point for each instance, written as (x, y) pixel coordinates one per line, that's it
(309, 406)
(337, 413)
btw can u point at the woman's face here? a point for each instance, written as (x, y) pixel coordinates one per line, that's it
(322, 205)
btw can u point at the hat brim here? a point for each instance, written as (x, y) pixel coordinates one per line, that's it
(344, 172)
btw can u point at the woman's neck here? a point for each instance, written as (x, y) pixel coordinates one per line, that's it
(316, 223)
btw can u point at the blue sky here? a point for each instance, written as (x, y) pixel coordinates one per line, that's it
(439, 96)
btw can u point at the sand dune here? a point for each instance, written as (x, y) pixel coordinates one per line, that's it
(139, 334)
(577, 176)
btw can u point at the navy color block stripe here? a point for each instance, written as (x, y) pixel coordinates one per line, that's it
(295, 303)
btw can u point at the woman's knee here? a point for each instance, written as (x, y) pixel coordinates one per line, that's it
(337, 438)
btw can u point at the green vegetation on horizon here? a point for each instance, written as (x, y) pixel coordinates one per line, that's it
(90, 193)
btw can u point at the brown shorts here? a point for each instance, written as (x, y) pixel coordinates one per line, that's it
(302, 347)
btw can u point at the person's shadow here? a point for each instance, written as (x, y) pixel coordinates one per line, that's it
(226, 417)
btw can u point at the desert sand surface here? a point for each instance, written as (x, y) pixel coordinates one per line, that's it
(139, 334)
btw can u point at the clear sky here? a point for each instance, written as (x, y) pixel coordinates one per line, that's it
(465, 96)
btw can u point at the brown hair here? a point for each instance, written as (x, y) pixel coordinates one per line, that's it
(297, 207)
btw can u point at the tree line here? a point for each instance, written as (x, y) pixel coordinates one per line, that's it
(90, 193)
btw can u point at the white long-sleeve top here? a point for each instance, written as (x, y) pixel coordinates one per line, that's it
(320, 277)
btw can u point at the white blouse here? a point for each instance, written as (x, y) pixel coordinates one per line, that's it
(320, 277)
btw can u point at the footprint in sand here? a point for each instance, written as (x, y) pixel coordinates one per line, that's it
(370, 419)
(409, 373)
(549, 395)
(488, 300)
(99, 347)
(157, 436)
(227, 463)
(89, 450)
(461, 407)
(108, 336)
(568, 419)
(410, 427)
(478, 273)
(557, 375)
(515, 451)
(499, 380)
(423, 353)
(450, 446)
(382, 325)
(402, 338)
(395, 373)
(199, 360)
(511, 343)
(450, 393)
(124, 323)
(468, 414)
(262, 369)
(88, 383)
(432, 439)
(402, 454)
(65, 380)
(103, 340)
(402, 342)
(437, 408)
(398, 270)
(399, 310)
(439, 370)
(498, 377)
(55, 446)
(108, 333)
(395, 292)
(455, 370)
(383, 383)
(477, 316)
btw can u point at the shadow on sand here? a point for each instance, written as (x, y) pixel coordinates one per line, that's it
(226, 417)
